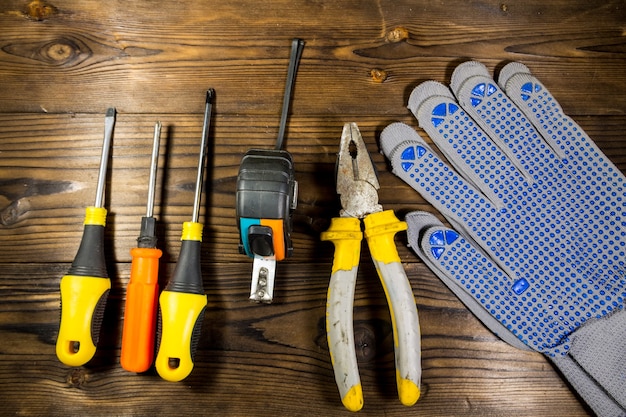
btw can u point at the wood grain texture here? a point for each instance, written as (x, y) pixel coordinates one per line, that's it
(255, 358)
(63, 63)
(141, 58)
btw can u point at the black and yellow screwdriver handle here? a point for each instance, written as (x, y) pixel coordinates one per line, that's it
(84, 293)
(181, 310)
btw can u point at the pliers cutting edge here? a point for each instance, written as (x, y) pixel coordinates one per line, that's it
(357, 185)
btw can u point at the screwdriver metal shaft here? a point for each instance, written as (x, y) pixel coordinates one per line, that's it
(154, 165)
(208, 104)
(109, 123)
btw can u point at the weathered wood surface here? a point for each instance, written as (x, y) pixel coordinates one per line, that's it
(63, 63)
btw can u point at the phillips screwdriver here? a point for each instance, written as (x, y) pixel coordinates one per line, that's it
(85, 288)
(143, 289)
(183, 301)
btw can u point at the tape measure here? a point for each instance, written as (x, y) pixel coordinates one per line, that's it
(267, 195)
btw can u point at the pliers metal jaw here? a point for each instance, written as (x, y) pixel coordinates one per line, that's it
(357, 185)
(357, 181)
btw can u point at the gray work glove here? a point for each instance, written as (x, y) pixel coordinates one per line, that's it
(538, 251)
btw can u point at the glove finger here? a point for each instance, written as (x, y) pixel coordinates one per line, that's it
(563, 134)
(597, 180)
(483, 163)
(453, 195)
(457, 198)
(587, 187)
(474, 155)
(486, 103)
(584, 208)
(414, 162)
(440, 247)
(504, 236)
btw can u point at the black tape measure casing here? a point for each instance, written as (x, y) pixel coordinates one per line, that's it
(266, 192)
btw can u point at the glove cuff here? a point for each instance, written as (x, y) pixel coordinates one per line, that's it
(596, 364)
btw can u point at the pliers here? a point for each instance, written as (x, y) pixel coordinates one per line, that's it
(357, 185)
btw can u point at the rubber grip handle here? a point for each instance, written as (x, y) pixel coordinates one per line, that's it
(346, 235)
(140, 313)
(180, 321)
(380, 229)
(83, 300)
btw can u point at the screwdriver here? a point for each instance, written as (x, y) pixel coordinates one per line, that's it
(85, 288)
(143, 287)
(183, 301)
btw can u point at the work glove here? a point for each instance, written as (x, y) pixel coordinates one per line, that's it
(538, 246)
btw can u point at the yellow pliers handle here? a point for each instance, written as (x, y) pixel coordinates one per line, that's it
(345, 233)
(380, 229)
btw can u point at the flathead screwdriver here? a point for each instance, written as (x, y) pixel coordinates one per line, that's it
(85, 288)
(143, 287)
(183, 301)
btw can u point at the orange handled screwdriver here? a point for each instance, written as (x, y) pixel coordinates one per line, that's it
(85, 288)
(182, 302)
(143, 286)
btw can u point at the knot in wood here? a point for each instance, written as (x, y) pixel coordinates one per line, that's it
(62, 51)
(39, 10)
(76, 378)
(397, 34)
(364, 342)
(14, 212)
(378, 75)
(59, 51)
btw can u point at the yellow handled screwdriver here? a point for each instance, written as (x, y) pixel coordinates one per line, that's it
(182, 302)
(142, 292)
(85, 288)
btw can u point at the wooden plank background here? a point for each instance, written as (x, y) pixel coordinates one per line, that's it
(63, 63)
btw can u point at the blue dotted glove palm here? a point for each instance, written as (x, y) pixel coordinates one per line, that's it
(538, 248)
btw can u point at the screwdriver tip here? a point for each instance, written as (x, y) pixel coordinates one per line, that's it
(209, 95)
(111, 112)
